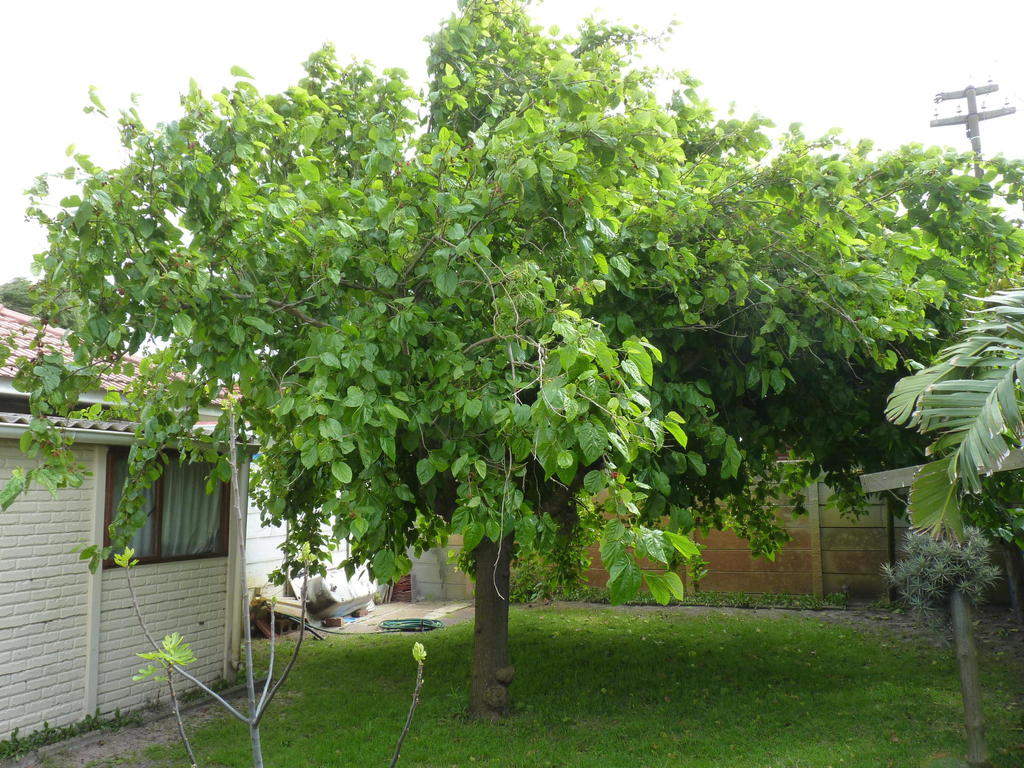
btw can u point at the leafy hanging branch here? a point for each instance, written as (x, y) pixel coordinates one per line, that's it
(169, 657)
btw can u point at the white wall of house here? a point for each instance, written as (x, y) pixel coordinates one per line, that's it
(69, 638)
(189, 597)
(44, 631)
(433, 575)
(262, 554)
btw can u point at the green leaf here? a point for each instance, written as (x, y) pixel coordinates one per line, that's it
(650, 544)
(594, 481)
(620, 445)
(125, 559)
(342, 472)
(664, 586)
(424, 471)
(567, 355)
(237, 71)
(395, 411)
(526, 531)
(449, 78)
(697, 463)
(94, 97)
(446, 282)
(732, 460)
(472, 535)
(642, 360)
(259, 324)
(631, 369)
(564, 160)
(308, 169)
(683, 544)
(592, 441)
(535, 120)
(354, 397)
(624, 580)
(183, 325)
(383, 565)
(331, 429)
(12, 488)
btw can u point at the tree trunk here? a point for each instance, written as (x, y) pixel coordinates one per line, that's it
(1014, 579)
(491, 673)
(970, 688)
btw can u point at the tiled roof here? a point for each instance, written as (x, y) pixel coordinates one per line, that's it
(18, 331)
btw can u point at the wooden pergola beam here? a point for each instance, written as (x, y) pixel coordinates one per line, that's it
(892, 479)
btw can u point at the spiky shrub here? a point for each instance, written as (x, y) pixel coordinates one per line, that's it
(932, 568)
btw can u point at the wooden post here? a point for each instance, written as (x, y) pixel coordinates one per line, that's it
(890, 538)
(970, 688)
(814, 523)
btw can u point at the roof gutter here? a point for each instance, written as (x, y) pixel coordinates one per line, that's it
(88, 436)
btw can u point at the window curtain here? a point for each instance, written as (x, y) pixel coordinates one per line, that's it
(142, 542)
(191, 516)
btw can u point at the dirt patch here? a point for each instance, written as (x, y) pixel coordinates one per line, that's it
(107, 749)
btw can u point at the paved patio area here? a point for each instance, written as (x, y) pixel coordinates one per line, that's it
(447, 613)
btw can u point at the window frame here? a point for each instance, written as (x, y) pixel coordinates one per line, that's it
(115, 453)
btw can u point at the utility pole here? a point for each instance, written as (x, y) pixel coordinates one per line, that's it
(973, 116)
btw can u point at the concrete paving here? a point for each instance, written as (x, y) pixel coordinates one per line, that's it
(448, 613)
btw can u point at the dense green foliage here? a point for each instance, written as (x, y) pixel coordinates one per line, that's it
(638, 686)
(460, 312)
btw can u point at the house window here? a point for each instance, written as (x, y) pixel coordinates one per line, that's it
(183, 521)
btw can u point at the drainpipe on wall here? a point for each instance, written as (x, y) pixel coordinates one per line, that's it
(94, 595)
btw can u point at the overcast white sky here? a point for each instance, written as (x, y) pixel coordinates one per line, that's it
(866, 66)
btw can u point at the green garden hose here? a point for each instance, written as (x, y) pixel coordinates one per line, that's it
(410, 625)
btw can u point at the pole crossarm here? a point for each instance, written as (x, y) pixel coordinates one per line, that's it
(973, 117)
(988, 115)
(962, 120)
(980, 90)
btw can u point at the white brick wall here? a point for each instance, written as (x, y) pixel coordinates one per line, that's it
(48, 652)
(43, 638)
(186, 597)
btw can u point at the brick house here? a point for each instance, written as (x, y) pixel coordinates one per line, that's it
(68, 642)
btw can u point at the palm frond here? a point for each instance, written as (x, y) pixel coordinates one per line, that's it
(971, 399)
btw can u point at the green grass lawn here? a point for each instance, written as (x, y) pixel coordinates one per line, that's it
(641, 687)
